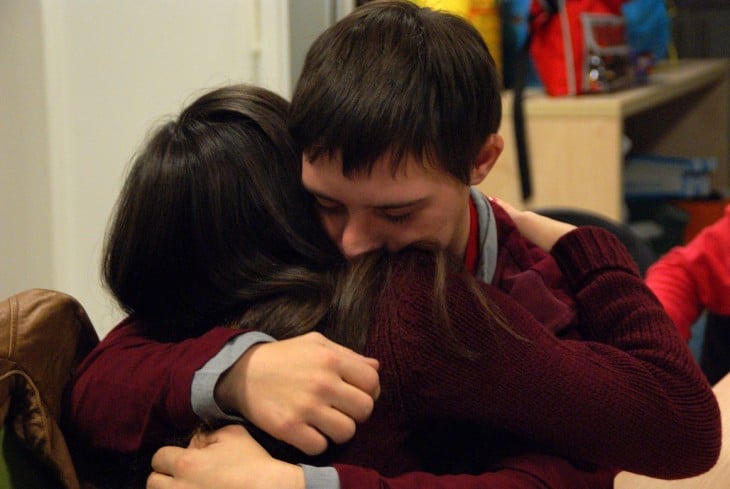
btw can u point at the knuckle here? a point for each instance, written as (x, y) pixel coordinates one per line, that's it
(314, 444)
(320, 386)
(315, 336)
(345, 432)
(185, 462)
(288, 423)
(330, 359)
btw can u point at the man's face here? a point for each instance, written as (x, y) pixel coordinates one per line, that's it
(383, 210)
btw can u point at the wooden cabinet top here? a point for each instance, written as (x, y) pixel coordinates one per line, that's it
(670, 80)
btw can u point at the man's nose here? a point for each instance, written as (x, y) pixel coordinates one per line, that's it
(360, 236)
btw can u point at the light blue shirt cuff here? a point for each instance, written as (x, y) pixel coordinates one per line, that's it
(320, 477)
(202, 391)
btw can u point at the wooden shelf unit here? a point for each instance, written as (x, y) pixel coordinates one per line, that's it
(575, 143)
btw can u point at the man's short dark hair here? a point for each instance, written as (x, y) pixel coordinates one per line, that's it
(392, 76)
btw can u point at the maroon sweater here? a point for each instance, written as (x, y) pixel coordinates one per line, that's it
(643, 406)
(629, 397)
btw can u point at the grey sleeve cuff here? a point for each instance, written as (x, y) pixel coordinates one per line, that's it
(320, 477)
(202, 391)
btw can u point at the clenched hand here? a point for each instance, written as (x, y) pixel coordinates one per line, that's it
(302, 390)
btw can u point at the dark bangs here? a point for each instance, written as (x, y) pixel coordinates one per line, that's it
(399, 78)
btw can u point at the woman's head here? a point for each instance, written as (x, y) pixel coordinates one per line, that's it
(212, 214)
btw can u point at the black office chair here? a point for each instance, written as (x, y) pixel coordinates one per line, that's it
(715, 356)
(639, 248)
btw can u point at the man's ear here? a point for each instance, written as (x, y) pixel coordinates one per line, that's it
(486, 159)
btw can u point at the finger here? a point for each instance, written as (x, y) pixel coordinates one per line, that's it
(163, 460)
(159, 481)
(336, 425)
(355, 369)
(353, 402)
(306, 438)
(362, 376)
(504, 205)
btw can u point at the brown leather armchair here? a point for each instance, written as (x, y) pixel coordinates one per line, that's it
(44, 335)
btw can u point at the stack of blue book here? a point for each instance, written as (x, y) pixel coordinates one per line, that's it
(658, 176)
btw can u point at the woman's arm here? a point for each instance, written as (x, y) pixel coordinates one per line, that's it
(691, 278)
(630, 397)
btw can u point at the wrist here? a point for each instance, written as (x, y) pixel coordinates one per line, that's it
(290, 476)
(230, 390)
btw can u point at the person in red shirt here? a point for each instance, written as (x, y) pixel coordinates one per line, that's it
(689, 279)
(214, 228)
(696, 277)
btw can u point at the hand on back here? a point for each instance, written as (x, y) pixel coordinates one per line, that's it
(303, 391)
(542, 231)
(227, 458)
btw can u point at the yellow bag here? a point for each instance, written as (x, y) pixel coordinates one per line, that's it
(482, 14)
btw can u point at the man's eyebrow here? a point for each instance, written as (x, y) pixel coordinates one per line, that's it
(384, 207)
(401, 205)
(322, 196)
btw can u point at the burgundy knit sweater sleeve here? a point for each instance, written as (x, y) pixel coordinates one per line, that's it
(132, 392)
(529, 471)
(629, 398)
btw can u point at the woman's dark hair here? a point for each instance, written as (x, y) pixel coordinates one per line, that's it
(393, 76)
(212, 218)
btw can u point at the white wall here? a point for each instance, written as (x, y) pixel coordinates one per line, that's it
(82, 82)
(25, 218)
